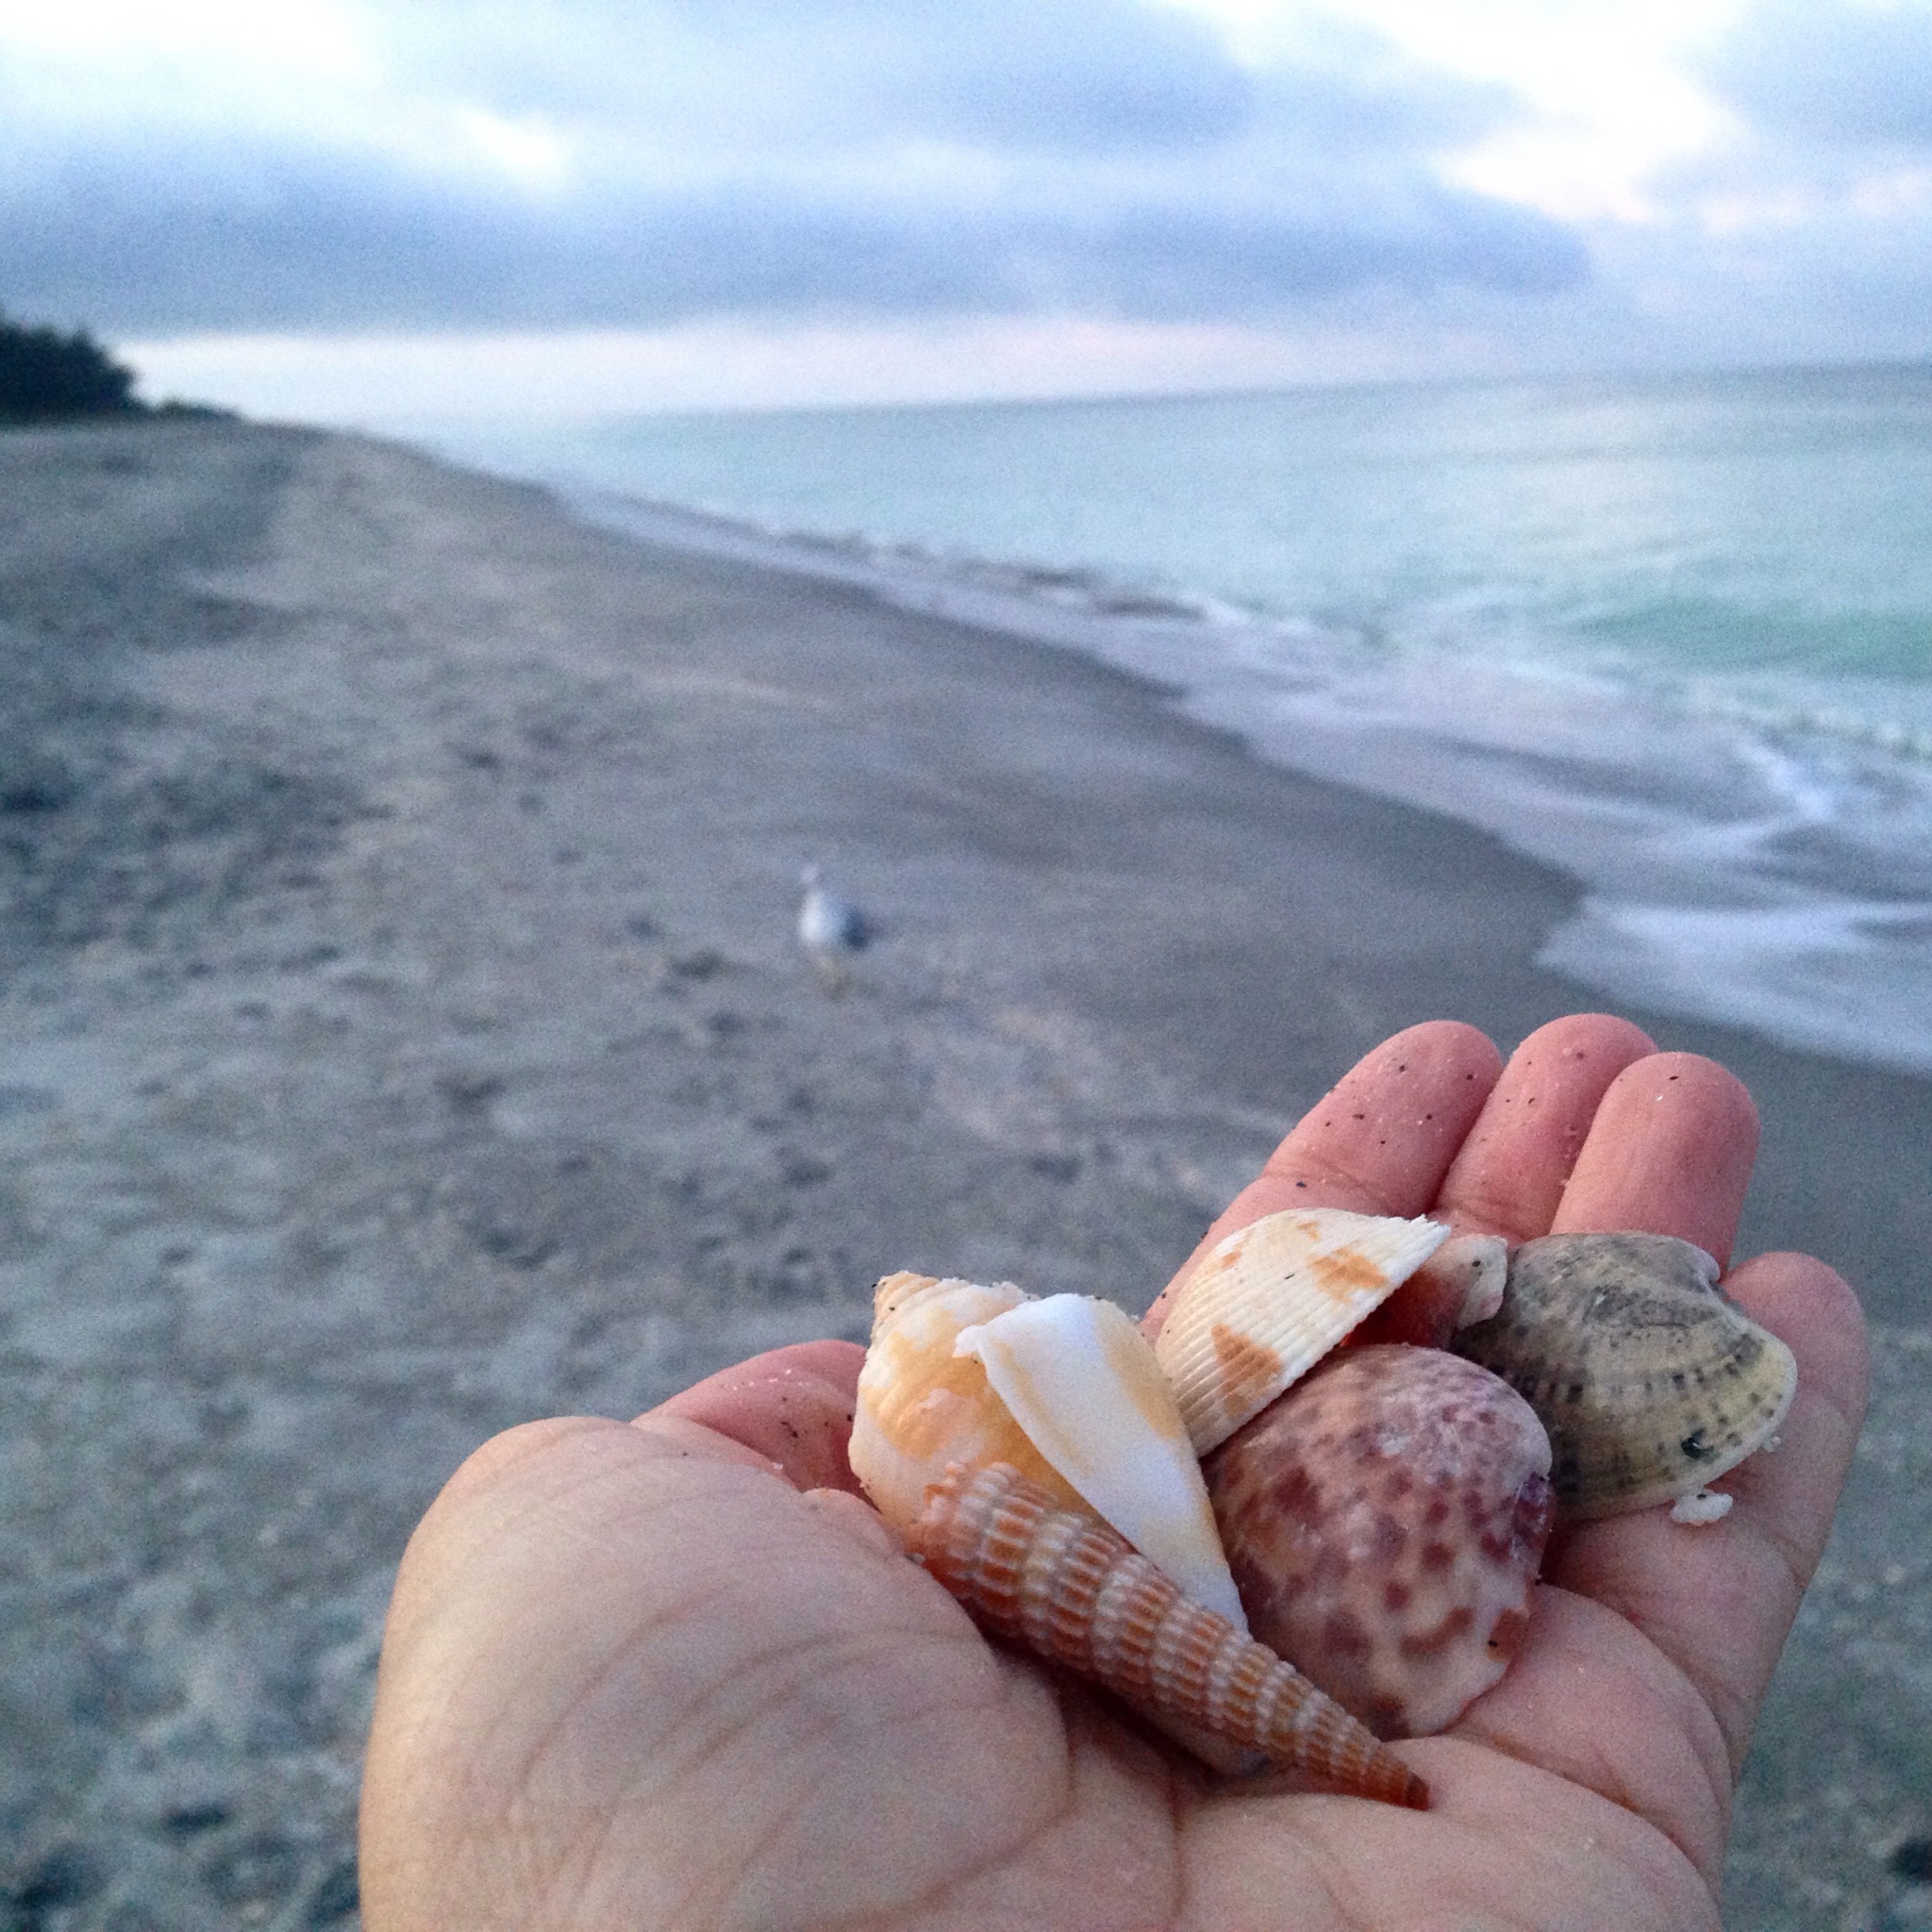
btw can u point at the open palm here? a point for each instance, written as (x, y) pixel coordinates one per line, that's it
(674, 1674)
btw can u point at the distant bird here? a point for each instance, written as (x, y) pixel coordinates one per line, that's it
(830, 928)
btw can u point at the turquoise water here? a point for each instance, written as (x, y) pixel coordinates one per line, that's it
(1675, 634)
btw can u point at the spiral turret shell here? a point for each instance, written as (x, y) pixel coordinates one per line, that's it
(1073, 1592)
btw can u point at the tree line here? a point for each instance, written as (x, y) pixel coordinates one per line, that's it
(49, 377)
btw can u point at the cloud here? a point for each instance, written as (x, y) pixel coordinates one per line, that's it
(585, 162)
(315, 243)
(1855, 76)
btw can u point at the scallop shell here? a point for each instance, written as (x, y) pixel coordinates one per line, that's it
(1265, 1305)
(1650, 1381)
(1386, 1519)
(1075, 1593)
(1082, 1380)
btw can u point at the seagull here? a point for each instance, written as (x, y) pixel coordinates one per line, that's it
(830, 928)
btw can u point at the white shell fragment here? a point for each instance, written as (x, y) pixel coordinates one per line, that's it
(1701, 1507)
(1480, 1264)
(1084, 1383)
(1264, 1305)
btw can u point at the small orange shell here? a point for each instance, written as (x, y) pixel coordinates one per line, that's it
(1075, 1593)
(923, 1406)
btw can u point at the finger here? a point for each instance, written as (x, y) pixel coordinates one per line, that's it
(1719, 1600)
(1670, 1152)
(790, 1408)
(1379, 1143)
(1509, 1175)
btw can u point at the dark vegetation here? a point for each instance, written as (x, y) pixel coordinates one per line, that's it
(45, 375)
(49, 377)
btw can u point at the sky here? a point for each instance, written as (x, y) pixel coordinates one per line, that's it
(366, 210)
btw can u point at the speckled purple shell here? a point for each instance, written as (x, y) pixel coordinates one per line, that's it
(1385, 1520)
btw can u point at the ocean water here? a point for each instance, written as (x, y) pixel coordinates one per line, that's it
(1674, 635)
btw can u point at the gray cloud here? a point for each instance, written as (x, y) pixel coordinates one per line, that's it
(1061, 76)
(321, 245)
(814, 158)
(1841, 75)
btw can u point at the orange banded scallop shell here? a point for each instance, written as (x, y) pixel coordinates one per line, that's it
(1071, 1591)
(1265, 1303)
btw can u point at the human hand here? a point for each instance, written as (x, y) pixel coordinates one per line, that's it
(676, 1673)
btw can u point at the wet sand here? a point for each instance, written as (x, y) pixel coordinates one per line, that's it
(403, 1037)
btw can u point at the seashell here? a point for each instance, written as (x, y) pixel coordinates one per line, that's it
(1385, 1520)
(1649, 1379)
(923, 1406)
(1075, 1593)
(1082, 1381)
(1700, 1507)
(1481, 1263)
(1460, 1283)
(1065, 1390)
(1264, 1305)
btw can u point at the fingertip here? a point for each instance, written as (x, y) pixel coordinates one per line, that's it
(1443, 1046)
(1509, 1175)
(1607, 1033)
(1670, 1151)
(836, 1361)
(1811, 1308)
(1607, 1036)
(1381, 1139)
(792, 1406)
(1378, 1142)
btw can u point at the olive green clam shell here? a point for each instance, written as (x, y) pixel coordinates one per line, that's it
(1650, 1381)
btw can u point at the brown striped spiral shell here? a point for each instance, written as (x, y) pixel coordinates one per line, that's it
(1070, 1590)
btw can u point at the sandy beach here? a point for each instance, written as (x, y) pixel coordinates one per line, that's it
(404, 1037)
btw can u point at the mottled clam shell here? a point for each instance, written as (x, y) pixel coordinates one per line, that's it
(1650, 1381)
(1264, 1305)
(1075, 1594)
(923, 1406)
(1081, 1379)
(1385, 1521)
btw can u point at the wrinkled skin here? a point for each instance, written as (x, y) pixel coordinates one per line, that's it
(674, 1674)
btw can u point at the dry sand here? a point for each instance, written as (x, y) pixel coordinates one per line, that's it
(403, 1038)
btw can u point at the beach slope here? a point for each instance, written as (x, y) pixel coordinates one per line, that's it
(404, 1036)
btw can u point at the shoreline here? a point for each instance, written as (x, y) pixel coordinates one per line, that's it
(404, 1037)
(1746, 839)
(1800, 1198)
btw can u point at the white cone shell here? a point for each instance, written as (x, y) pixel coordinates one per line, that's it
(1083, 1382)
(1264, 1305)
